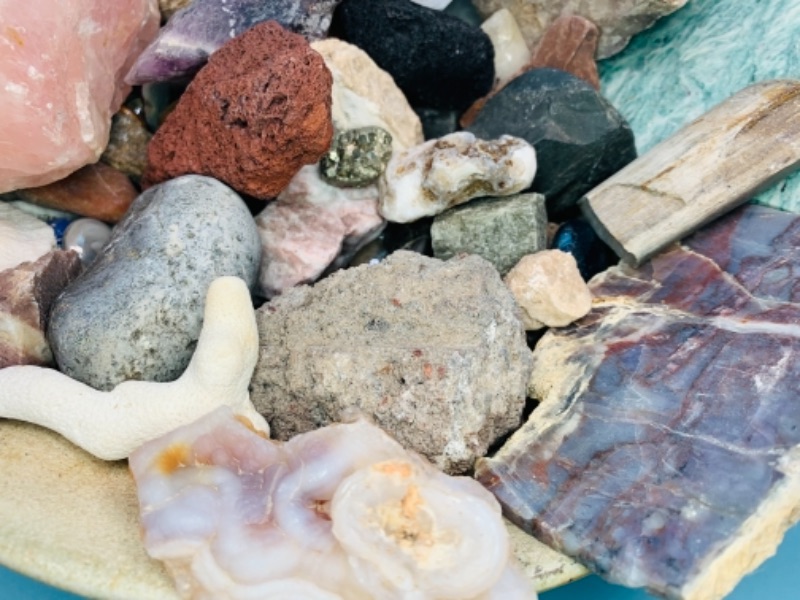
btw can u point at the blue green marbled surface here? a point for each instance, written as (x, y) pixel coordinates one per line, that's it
(698, 56)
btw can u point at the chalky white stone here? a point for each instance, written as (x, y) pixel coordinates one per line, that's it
(511, 53)
(23, 238)
(549, 289)
(432, 177)
(86, 237)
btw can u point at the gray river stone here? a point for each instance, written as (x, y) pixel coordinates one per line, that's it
(136, 312)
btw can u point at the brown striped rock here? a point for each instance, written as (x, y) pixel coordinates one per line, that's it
(27, 293)
(665, 452)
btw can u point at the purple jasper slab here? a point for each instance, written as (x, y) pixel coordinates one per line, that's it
(665, 452)
(192, 34)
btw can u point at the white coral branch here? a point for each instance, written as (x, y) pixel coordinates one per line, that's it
(113, 424)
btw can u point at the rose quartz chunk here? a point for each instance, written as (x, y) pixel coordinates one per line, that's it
(61, 70)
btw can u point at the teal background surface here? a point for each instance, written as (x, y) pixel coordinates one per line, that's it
(776, 579)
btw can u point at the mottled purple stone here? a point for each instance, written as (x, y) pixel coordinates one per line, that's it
(669, 426)
(195, 32)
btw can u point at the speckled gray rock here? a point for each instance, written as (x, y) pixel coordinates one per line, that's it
(501, 230)
(357, 157)
(136, 312)
(434, 352)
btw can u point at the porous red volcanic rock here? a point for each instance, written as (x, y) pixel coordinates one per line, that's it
(252, 117)
(97, 191)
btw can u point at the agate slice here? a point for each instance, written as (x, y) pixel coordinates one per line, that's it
(665, 453)
(340, 512)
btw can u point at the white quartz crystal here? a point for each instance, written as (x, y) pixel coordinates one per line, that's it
(23, 238)
(430, 178)
(511, 53)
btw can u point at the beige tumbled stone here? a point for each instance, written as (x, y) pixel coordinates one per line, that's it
(549, 289)
(618, 21)
(511, 53)
(365, 95)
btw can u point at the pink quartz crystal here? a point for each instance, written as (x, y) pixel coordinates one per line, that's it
(61, 78)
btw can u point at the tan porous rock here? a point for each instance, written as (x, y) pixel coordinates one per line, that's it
(549, 289)
(432, 351)
(365, 95)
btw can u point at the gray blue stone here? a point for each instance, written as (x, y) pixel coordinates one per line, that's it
(696, 58)
(136, 312)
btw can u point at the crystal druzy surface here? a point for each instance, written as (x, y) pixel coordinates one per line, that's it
(666, 450)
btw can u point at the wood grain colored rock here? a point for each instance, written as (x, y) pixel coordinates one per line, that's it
(665, 453)
(709, 167)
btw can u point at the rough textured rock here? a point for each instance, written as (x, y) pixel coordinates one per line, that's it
(618, 21)
(185, 43)
(364, 95)
(61, 80)
(501, 230)
(437, 60)
(569, 44)
(136, 312)
(666, 451)
(24, 237)
(27, 293)
(257, 112)
(510, 51)
(685, 54)
(357, 157)
(97, 191)
(580, 138)
(127, 144)
(432, 351)
(313, 227)
(170, 7)
(549, 289)
(434, 176)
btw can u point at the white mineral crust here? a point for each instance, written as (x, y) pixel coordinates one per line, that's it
(428, 179)
(343, 512)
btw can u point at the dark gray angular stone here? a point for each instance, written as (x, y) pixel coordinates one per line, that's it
(437, 60)
(580, 138)
(136, 312)
(501, 230)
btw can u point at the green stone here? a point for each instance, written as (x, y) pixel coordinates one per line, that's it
(357, 157)
(501, 230)
(697, 57)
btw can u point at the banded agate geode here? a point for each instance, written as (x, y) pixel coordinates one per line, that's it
(665, 452)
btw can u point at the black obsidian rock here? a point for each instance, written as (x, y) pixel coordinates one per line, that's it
(437, 60)
(580, 139)
(437, 123)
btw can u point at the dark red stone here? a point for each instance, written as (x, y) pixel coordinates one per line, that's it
(257, 112)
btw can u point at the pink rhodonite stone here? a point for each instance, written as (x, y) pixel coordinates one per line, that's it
(61, 70)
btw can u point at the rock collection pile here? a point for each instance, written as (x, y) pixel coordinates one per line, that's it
(414, 192)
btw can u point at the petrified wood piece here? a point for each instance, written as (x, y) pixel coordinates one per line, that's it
(709, 167)
(666, 451)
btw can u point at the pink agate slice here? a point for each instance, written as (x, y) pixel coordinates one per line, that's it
(61, 79)
(340, 512)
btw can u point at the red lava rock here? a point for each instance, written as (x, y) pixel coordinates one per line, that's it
(97, 191)
(569, 44)
(257, 112)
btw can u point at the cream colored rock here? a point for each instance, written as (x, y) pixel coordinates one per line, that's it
(23, 238)
(432, 177)
(364, 94)
(618, 21)
(511, 53)
(549, 289)
(112, 424)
